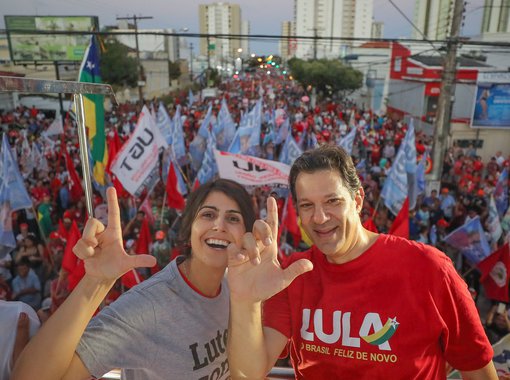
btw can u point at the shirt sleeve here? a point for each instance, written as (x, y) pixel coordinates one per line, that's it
(115, 338)
(463, 339)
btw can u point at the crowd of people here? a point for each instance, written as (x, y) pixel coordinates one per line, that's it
(34, 272)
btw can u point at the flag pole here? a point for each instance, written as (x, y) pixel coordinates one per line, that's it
(162, 209)
(82, 138)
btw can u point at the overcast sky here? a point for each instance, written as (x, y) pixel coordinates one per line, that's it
(265, 16)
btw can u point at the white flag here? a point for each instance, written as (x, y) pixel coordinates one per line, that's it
(250, 170)
(55, 128)
(136, 163)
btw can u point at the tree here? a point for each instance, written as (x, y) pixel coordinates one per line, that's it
(117, 68)
(327, 76)
(174, 70)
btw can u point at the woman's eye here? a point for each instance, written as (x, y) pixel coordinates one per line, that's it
(208, 215)
(234, 219)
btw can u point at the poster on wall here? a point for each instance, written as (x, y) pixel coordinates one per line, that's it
(491, 107)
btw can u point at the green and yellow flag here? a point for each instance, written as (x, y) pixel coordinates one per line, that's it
(94, 111)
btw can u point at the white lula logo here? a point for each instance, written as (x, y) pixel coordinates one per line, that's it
(341, 328)
(498, 274)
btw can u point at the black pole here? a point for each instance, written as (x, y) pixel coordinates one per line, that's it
(60, 100)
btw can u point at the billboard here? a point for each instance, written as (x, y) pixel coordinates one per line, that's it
(25, 46)
(491, 107)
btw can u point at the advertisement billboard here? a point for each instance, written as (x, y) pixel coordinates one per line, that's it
(491, 107)
(25, 46)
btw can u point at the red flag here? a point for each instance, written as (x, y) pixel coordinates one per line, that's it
(147, 209)
(114, 144)
(289, 221)
(130, 279)
(175, 198)
(69, 261)
(75, 189)
(76, 275)
(370, 225)
(400, 226)
(142, 245)
(196, 184)
(495, 274)
(62, 230)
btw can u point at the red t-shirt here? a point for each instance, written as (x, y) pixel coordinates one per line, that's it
(396, 312)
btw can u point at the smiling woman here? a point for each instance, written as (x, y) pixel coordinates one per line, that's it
(172, 326)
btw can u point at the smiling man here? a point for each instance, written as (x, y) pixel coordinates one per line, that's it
(356, 305)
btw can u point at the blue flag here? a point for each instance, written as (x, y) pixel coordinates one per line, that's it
(225, 128)
(198, 145)
(178, 145)
(501, 193)
(290, 151)
(470, 240)
(420, 174)
(191, 98)
(283, 132)
(209, 167)
(348, 141)
(13, 197)
(164, 123)
(13, 181)
(395, 189)
(255, 123)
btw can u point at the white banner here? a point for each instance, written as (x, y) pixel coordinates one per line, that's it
(138, 157)
(249, 170)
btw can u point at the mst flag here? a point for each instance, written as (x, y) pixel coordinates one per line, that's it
(94, 111)
(495, 274)
(249, 170)
(136, 163)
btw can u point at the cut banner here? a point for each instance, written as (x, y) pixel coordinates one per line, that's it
(249, 170)
(136, 163)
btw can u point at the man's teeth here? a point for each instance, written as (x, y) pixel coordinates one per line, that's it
(217, 242)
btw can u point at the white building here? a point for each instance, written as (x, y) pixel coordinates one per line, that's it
(496, 16)
(245, 43)
(432, 18)
(220, 18)
(319, 19)
(288, 42)
(151, 46)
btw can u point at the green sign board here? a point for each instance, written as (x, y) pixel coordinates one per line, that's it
(28, 44)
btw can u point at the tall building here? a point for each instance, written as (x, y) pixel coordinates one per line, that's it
(324, 20)
(496, 16)
(288, 42)
(377, 29)
(245, 43)
(220, 18)
(433, 19)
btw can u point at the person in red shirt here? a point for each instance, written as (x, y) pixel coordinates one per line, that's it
(357, 304)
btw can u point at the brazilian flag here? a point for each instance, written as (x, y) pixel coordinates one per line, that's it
(94, 111)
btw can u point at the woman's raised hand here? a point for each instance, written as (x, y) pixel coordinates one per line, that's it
(102, 249)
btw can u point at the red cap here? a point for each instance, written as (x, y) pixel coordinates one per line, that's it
(160, 235)
(23, 225)
(68, 215)
(54, 235)
(442, 223)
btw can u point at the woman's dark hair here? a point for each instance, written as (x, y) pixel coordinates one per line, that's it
(326, 157)
(196, 199)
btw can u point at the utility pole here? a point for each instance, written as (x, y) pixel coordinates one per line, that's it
(446, 96)
(141, 79)
(315, 39)
(191, 62)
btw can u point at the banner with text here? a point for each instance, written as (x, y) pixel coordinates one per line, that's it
(136, 163)
(249, 170)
